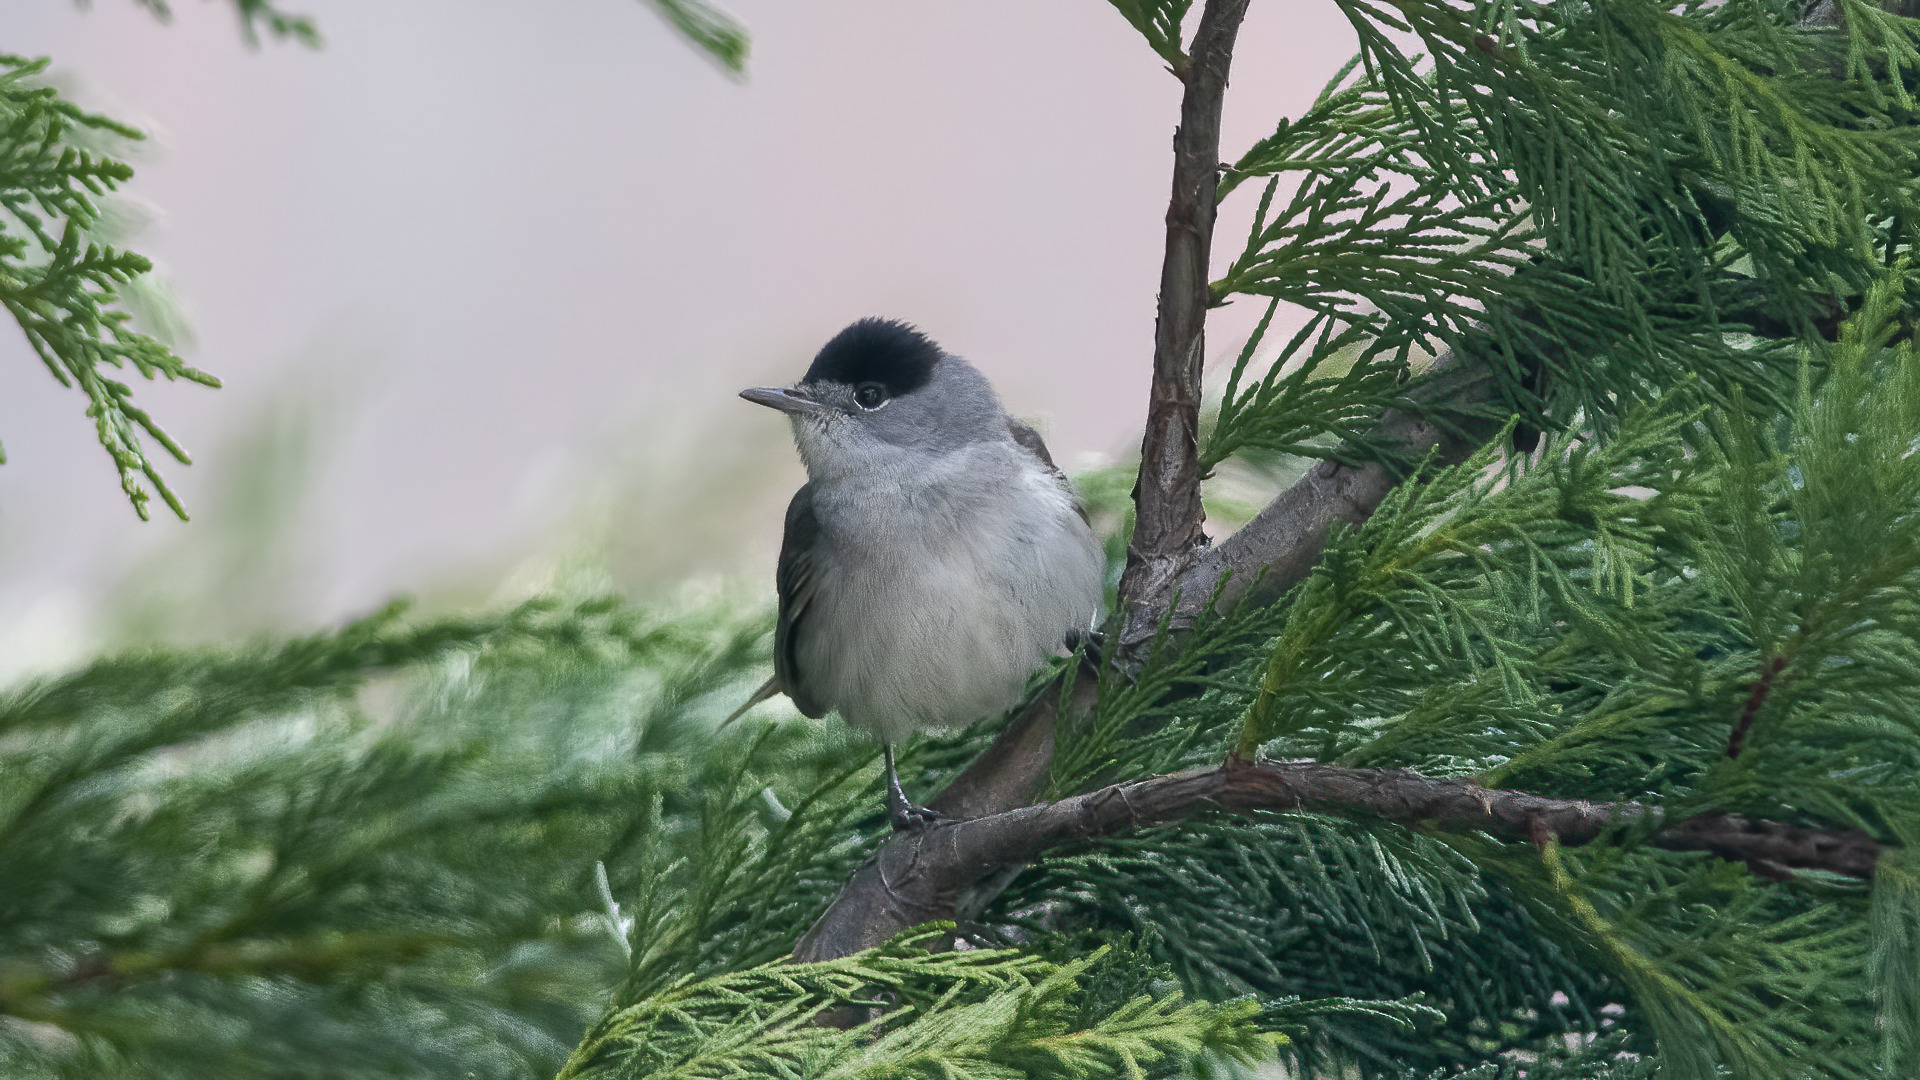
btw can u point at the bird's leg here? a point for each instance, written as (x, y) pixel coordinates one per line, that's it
(902, 813)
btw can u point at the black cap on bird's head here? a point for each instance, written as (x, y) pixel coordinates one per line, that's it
(878, 359)
(892, 354)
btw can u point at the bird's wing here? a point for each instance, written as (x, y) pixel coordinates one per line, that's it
(796, 578)
(1032, 443)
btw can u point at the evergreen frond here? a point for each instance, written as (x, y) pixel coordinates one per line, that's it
(1372, 950)
(1159, 21)
(59, 284)
(1595, 200)
(970, 1015)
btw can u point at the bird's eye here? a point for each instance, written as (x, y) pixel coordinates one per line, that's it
(870, 395)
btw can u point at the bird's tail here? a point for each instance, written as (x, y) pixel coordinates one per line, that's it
(767, 690)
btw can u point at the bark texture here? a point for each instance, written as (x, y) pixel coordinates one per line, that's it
(930, 873)
(1168, 516)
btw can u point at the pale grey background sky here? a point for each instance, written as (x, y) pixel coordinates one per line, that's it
(483, 276)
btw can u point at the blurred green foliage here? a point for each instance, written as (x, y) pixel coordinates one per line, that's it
(361, 852)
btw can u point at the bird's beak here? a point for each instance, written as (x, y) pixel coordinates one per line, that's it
(788, 399)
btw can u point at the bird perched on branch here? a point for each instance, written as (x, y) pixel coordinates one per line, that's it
(936, 556)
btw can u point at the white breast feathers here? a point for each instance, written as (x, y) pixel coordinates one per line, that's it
(970, 570)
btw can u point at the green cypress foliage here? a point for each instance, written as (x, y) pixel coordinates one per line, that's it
(58, 279)
(1676, 237)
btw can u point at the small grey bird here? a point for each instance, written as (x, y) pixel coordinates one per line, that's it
(936, 556)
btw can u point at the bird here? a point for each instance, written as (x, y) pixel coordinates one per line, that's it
(936, 556)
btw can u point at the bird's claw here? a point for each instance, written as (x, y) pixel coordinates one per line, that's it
(1094, 640)
(907, 817)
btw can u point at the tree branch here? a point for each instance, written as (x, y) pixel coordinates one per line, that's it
(1755, 699)
(925, 875)
(1282, 544)
(1168, 515)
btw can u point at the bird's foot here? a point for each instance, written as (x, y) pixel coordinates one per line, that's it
(901, 811)
(907, 817)
(1094, 640)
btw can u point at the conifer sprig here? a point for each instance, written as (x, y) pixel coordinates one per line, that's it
(1812, 552)
(58, 282)
(1159, 21)
(976, 1015)
(1455, 571)
(1666, 164)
